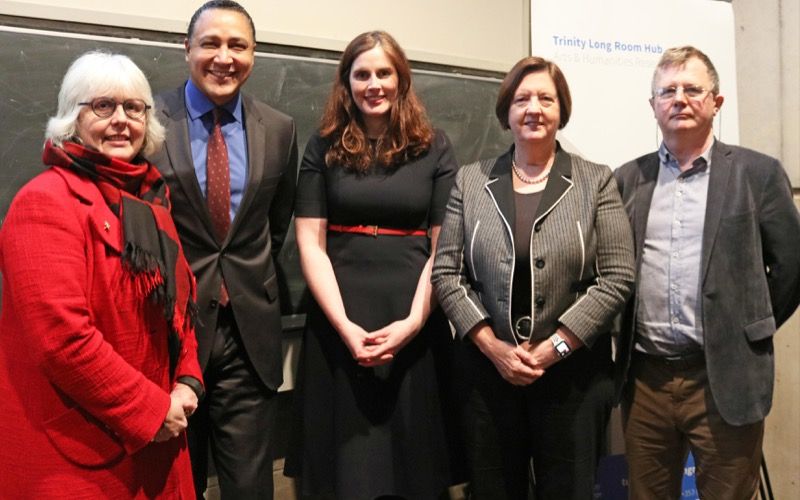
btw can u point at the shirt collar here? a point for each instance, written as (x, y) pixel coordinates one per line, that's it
(668, 160)
(197, 104)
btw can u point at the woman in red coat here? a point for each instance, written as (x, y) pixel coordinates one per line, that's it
(98, 365)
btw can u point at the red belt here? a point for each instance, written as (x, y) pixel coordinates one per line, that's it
(375, 230)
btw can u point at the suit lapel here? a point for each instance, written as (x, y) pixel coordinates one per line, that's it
(256, 136)
(559, 182)
(719, 177)
(180, 155)
(501, 188)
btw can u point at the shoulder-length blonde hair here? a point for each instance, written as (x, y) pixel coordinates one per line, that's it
(409, 133)
(96, 74)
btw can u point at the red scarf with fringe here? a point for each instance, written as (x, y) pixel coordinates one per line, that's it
(152, 254)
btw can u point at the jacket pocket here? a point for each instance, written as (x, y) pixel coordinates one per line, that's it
(271, 287)
(761, 329)
(83, 440)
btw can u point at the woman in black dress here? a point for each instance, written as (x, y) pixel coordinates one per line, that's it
(371, 195)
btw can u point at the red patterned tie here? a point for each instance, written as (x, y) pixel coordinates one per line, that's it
(218, 187)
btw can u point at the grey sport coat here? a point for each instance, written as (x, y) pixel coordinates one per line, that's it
(581, 257)
(750, 275)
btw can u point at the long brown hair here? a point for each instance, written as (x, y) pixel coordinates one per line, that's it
(409, 133)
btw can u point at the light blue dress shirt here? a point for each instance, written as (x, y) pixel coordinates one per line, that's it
(669, 315)
(201, 122)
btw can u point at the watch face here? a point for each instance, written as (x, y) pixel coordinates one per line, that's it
(562, 348)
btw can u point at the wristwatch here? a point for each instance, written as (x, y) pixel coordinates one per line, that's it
(560, 345)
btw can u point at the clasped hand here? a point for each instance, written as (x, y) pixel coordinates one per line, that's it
(379, 347)
(183, 403)
(516, 364)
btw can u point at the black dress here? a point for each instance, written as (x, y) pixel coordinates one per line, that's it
(365, 432)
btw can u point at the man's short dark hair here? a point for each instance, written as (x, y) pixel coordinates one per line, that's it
(220, 4)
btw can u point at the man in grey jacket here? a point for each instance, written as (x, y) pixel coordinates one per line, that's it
(718, 270)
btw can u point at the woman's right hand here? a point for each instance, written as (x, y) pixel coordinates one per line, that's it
(361, 345)
(514, 363)
(175, 421)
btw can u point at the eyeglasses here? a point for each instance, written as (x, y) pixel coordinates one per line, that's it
(104, 107)
(670, 93)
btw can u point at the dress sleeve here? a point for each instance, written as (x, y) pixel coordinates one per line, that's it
(311, 198)
(445, 175)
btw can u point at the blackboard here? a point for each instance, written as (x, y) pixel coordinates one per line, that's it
(33, 64)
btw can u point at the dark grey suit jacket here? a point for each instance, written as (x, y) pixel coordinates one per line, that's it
(750, 274)
(581, 250)
(247, 257)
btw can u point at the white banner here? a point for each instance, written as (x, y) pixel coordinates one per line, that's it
(608, 51)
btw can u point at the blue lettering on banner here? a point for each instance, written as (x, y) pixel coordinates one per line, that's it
(608, 46)
(653, 48)
(594, 44)
(628, 47)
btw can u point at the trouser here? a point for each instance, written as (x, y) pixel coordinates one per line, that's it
(237, 417)
(544, 439)
(668, 410)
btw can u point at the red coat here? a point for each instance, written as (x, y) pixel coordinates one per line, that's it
(84, 370)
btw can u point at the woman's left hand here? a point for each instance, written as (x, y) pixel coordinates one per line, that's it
(391, 338)
(545, 353)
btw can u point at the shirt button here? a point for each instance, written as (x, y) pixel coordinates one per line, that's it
(539, 301)
(212, 304)
(539, 263)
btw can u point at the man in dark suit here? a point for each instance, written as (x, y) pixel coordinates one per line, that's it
(230, 162)
(717, 239)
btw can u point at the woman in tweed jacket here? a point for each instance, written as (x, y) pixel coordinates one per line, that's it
(535, 259)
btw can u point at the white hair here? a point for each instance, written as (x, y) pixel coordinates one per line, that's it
(97, 74)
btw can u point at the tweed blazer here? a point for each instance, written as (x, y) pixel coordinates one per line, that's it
(749, 276)
(581, 256)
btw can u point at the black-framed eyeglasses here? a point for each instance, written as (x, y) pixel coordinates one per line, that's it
(104, 107)
(670, 93)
